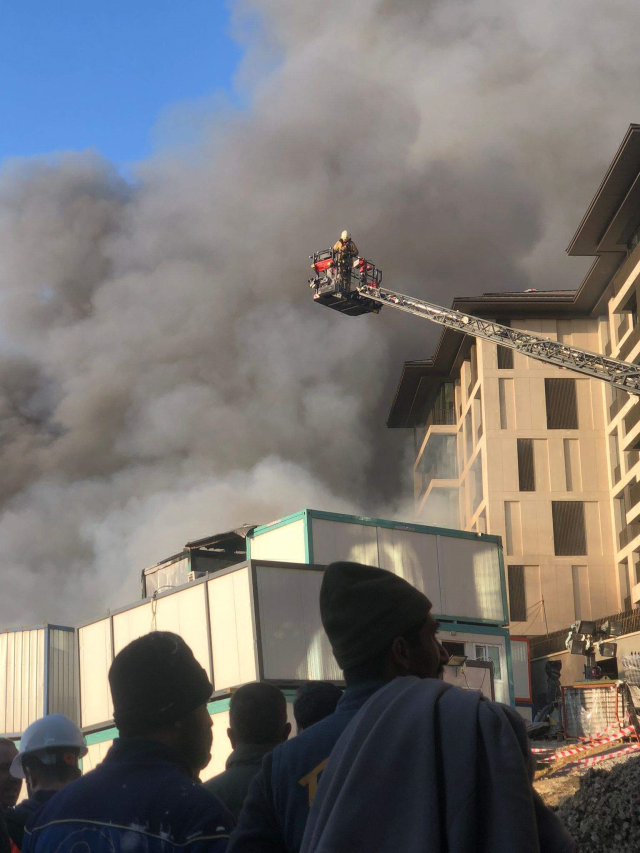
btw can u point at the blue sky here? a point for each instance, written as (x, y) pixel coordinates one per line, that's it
(76, 74)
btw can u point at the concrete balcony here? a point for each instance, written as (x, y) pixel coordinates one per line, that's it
(629, 534)
(631, 422)
(632, 501)
(629, 346)
(635, 595)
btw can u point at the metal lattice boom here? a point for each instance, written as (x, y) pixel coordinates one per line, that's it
(620, 374)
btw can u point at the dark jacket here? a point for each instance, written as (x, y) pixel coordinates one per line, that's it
(140, 797)
(18, 816)
(232, 785)
(427, 766)
(276, 809)
(5, 845)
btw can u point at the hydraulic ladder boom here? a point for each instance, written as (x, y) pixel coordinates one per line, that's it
(620, 374)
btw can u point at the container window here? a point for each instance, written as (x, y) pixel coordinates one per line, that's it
(492, 653)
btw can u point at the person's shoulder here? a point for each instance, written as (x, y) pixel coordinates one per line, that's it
(316, 738)
(216, 782)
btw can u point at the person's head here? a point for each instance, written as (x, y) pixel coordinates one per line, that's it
(345, 236)
(314, 701)
(380, 627)
(258, 716)
(9, 785)
(49, 752)
(160, 692)
(52, 775)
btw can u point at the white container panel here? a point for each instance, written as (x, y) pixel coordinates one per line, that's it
(520, 665)
(470, 579)
(285, 544)
(294, 644)
(96, 753)
(414, 557)
(232, 629)
(95, 653)
(471, 642)
(185, 613)
(131, 624)
(22, 656)
(337, 540)
(61, 682)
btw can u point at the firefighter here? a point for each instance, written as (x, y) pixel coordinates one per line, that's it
(345, 250)
(345, 246)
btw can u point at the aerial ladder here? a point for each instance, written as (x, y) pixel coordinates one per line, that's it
(359, 291)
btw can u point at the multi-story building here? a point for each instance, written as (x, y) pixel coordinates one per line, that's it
(545, 458)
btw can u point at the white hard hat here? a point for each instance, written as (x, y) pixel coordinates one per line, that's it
(345, 235)
(54, 731)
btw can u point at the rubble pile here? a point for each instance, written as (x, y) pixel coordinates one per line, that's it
(604, 813)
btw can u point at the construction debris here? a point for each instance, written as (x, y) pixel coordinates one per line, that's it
(604, 813)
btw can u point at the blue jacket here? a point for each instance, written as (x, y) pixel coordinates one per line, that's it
(139, 798)
(275, 812)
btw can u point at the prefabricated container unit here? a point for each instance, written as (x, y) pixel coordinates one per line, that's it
(461, 572)
(200, 557)
(257, 621)
(38, 672)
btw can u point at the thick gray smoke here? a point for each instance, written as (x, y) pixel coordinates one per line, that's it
(163, 371)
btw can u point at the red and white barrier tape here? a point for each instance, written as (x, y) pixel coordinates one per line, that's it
(594, 759)
(604, 732)
(575, 750)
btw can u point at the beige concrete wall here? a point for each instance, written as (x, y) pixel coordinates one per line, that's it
(569, 465)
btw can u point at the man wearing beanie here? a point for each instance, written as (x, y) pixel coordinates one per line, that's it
(144, 795)
(380, 628)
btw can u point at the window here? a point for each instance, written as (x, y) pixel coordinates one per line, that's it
(526, 471)
(491, 653)
(562, 403)
(569, 534)
(505, 358)
(517, 596)
(454, 648)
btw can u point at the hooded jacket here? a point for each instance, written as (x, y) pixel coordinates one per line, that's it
(232, 785)
(140, 797)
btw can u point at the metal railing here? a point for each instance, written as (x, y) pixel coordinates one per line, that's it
(555, 642)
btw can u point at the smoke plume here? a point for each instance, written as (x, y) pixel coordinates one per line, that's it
(164, 373)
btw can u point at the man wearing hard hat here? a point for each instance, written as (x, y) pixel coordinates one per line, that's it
(345, 250)
(48, 760)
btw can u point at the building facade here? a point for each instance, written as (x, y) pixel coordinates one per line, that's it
(541, 456)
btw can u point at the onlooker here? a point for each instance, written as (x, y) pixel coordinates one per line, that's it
(380, 627)
(5, 844)
(142, 796)
(257, 723)
(428, 766)
(314, 701)
(9, 785)
(50, 749)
